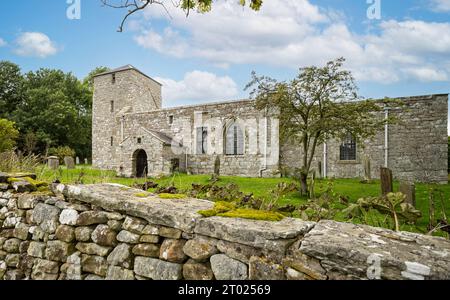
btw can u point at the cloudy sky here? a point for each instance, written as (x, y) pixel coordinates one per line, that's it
(210, 57)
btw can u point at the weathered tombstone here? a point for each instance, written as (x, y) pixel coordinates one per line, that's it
(53, 162)
(77, 160)
(386, 181)
(86, 161)
(409, 189)
(319, 169)
(68, 161)
(217, 166)
(367, 175)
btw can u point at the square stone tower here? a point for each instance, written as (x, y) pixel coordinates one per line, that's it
(118, 92)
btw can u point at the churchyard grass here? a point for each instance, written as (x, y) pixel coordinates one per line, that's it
(350, 189)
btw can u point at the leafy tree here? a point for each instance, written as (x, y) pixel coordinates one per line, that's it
(11, 88)
(8, 135)
(57, 108)
(319, 104)
(202, 6)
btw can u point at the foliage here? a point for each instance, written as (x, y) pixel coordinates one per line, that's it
(62, 152)
(393, 204)
(11, 88)
(202, 6)
(230, 210)
(50, 108)
(8, 135)
(319, 104)
(10, 161)
(324, 207)
(35, 183)
(171, 196)
(142, 195)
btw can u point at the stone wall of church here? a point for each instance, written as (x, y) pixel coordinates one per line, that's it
(131, 92)
(184, 122)
(417, 145)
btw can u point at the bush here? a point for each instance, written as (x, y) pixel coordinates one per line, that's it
(8, 135)
(10, 161)
(61, 152)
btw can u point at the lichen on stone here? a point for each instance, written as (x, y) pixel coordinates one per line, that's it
(142, 195)
(229, 210)
(171, 196)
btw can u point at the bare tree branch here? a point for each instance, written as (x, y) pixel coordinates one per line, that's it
(132, 6)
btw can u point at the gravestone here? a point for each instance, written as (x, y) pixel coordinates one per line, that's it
(68, 161)
(409, 189)
(77, 160)
(367, 175)
(386, 181)
(85, 161)
(217, 166)
(319, 169)
(53, 162)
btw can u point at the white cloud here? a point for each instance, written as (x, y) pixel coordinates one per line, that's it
(198, 87)
(294, 33)
(2, 42)
(440, 5)
(35, 44)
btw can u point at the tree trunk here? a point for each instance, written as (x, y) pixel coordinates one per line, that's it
(303, 183)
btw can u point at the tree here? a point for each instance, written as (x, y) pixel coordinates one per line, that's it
(202, 6)
(57, 109)
(8, 135)
(11, 88)
(319, 104)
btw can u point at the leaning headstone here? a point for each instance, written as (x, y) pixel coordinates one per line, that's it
(409, 189)
(386, 181)
(367, 175)
(68, 161)
(217, 166)
(319, 169)
(77, 160)
(53, 162)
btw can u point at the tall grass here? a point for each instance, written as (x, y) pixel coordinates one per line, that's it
(10, 162)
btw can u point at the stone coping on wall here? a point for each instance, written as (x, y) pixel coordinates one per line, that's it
(342, 248)
(110, 231)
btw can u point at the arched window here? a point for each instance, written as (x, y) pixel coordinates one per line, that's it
(234, 140)
(348, 148)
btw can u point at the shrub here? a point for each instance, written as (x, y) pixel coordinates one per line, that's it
(62, 152)
(8, 135)
(10, 161)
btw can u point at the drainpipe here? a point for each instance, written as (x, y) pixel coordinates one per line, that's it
(325, 157)
(386, 137)
(265, 145)
(122, 121)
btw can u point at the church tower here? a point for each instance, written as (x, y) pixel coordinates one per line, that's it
(116, 93)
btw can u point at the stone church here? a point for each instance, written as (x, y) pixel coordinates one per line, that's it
(135, 136)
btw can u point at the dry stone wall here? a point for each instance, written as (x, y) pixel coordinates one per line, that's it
(107, 232)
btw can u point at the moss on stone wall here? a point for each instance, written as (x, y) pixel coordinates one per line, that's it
(229, 210)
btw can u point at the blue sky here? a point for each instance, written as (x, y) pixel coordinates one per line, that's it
(210, 57)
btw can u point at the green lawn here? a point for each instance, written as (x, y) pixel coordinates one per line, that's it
(352, 189)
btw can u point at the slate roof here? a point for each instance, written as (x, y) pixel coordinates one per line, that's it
(126, 68)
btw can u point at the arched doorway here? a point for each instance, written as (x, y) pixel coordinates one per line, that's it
(140, 163)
